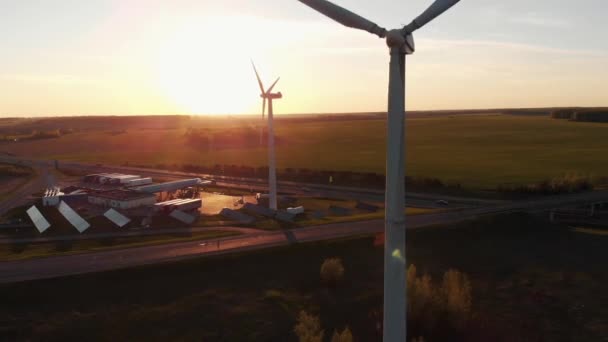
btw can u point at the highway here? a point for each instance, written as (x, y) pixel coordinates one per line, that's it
(260, 185)
(57, 266)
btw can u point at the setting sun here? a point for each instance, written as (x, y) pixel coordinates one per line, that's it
(204, 67)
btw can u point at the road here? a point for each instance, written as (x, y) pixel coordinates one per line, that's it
(58, 266)
(22, 194)
(127, 234)
(260, 185)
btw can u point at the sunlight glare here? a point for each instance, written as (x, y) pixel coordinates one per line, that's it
(204, 67)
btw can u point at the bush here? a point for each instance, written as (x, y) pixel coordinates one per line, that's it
(563, 114)
(344, 336)
(7, 170)
(456, 294)
(308, 328)
(332, 271)
(559, 185)
(429, 306)
(591, 115)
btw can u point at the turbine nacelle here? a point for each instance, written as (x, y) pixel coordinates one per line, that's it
(266, 94)
(272, 96)
(396, 39)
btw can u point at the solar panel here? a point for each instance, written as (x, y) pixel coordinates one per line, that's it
(75, 220)
(182, 216)
(285, 216)
(258, 209)
(237, 216)
(39, 221)
(117, 218)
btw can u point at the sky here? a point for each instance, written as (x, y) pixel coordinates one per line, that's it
(129, 57)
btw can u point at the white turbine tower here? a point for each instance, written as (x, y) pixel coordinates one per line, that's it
(272, 171)
(401, 43)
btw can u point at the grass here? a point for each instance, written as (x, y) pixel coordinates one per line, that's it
(13, 185)
(591, 231)
(531, 281)
(312, 204)
(479, 151)
(18, 176)
(20, 251)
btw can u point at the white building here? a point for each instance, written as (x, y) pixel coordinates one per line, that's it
(51, 197)
(122, 199)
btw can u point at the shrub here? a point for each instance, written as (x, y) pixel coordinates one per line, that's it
(430, 306)
(332, 271)
(456, 296)
(308, 328)
(7, 170)
(423, 301)
(563, 114)
(591, 115)
(567, 184)
(344, 336)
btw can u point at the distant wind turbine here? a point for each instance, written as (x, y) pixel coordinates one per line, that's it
(401, 43)
(268, 95)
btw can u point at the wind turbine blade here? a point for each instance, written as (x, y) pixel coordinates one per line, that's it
(344, 16)
(258, 77)
(435, 10)
(272, 86)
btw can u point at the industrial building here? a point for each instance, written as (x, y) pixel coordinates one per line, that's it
(51, 197)
(122, 199)
(172, 186)
(138, 182)
(184, 205)
(110, 178)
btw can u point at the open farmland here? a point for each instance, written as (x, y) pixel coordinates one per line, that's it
(478, 151)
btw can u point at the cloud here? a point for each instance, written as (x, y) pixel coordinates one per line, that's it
(536, 19)
(438, 44)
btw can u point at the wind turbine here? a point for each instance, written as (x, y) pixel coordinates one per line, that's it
(401, 43)
(268, 95)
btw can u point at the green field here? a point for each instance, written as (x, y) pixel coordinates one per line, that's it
(531, 281)
(479, 151)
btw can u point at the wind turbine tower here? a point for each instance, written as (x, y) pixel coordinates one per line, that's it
(400, 43)
(268, 95)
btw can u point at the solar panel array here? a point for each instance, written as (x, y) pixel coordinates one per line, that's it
(285, 216)
(117, 218)
(182, 217)
(258, 209)
(39, 221)
(237, 216)
(75, 220)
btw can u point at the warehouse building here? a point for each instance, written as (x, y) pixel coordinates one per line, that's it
(122, 199)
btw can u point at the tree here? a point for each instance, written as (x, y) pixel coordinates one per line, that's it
(332, 271)
(344, 336)
(447, 304)
(308, 328)
(456, 291)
